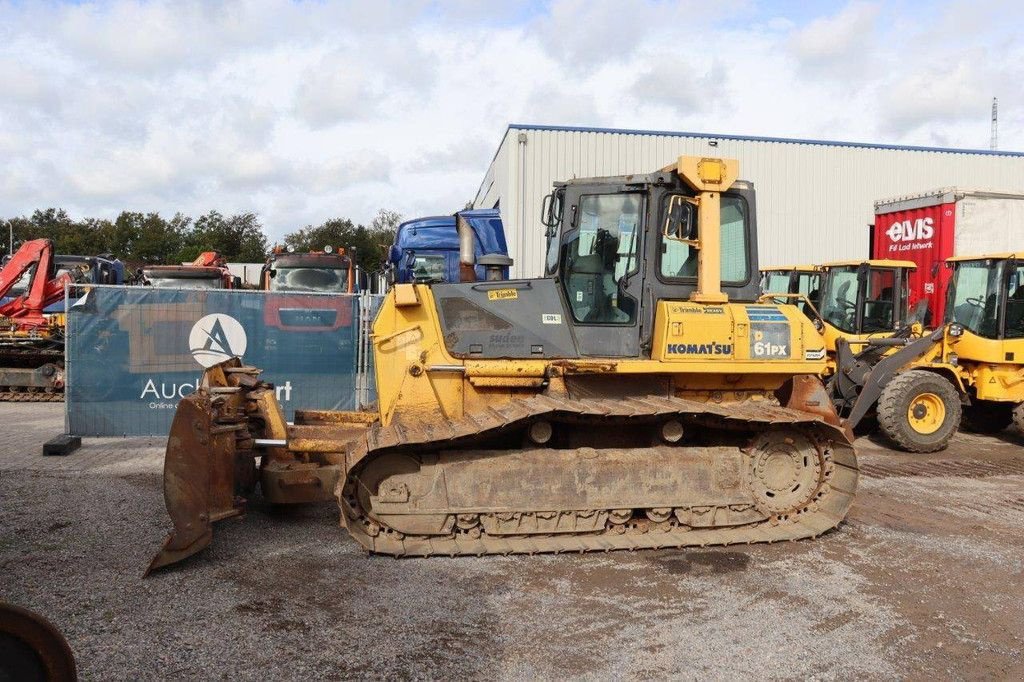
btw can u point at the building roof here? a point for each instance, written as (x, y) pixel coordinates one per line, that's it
(935, 197)
(747, 138)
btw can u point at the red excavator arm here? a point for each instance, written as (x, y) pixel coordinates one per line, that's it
(27, 310)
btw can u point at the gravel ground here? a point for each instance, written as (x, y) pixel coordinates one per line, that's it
(924, 580)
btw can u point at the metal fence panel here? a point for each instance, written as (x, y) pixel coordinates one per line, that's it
(133, 352)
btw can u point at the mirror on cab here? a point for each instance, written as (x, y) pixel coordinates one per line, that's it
(551, 210)
(681, 219)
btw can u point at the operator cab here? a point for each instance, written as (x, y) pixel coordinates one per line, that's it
(986, 296)
(866, 297)
(794, 281)
(618, 248)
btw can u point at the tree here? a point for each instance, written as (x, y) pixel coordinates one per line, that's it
(239, 238)
(137, 237)
(370, 243)
(147, 237)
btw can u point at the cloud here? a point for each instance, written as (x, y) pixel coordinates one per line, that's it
(303, 111)
(933, 98)
(681, 86)
(838, 45)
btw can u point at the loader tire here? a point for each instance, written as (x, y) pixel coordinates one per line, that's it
(987, 417)
(919, 411)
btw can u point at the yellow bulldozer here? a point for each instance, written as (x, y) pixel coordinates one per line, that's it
(636, 396)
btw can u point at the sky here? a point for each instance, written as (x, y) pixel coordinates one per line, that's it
(303, 111)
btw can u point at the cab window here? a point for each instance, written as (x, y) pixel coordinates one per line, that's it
(879, 302)
(974, 297)
(839, 299)
(776, 283)
(679, 260)
(602, 252)
(1015, 304)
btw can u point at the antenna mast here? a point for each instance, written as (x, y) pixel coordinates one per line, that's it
(994, 144)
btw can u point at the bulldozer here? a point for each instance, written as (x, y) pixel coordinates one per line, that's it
(636, 396)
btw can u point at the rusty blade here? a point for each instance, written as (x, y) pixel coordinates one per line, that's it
(199, 479)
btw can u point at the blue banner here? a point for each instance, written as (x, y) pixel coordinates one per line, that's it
(133, 352)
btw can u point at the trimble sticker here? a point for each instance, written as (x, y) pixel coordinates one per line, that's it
(502, 295)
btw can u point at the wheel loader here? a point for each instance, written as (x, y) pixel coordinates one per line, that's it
(970, 366)
(636, 396)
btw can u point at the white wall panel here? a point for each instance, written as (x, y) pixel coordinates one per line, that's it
(814, 201)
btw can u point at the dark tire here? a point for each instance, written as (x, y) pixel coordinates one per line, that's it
(987, 417)
(919, 411)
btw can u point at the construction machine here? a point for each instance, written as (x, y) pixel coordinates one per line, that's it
(850, 300)
(636, 396)
(970, 367)
(208, 271)
(32, 282)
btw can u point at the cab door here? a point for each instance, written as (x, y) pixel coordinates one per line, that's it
(600, 268)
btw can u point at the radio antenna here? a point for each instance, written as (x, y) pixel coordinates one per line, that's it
(994, 144)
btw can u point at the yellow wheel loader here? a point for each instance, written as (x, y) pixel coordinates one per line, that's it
(635, 396)
(970, 367)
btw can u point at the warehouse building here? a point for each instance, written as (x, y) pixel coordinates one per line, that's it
(815, 199)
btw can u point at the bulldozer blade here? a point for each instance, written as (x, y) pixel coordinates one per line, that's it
(201, 466)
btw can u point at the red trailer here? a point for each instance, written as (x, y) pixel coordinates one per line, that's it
(927, 228)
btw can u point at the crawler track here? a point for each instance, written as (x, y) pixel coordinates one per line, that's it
(744, 473)
(20, 353)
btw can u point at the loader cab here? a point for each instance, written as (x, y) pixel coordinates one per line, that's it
(860, 299)
(986, 296)
(794, 281)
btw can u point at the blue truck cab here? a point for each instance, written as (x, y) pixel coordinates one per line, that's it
(427, 249)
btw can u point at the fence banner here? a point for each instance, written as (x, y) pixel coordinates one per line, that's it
(133, 352)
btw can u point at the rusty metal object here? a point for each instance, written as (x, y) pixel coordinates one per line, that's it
(209, 463)
(773, 473)
(31, 648)
(210, 466)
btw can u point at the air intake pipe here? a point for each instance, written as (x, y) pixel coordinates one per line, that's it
(494, 263)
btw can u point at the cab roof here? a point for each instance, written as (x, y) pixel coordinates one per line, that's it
(791, 268)
(987, 256)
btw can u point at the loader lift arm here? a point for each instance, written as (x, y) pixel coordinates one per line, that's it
(860, 378)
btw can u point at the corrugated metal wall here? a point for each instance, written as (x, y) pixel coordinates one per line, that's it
(814, 201)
